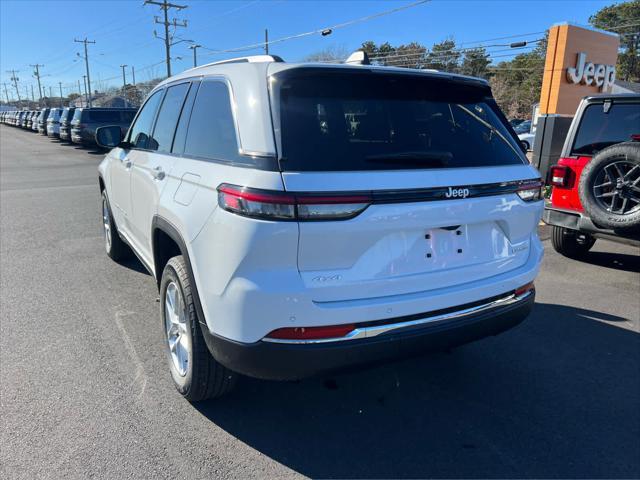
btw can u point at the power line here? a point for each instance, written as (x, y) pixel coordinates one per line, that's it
(503, 38)
(124, 81)
(15, 79)
(451, 53)
(317, 31)
(86, 61)
(6, 93)
(37, 75)
(194, 47)
(166, 6)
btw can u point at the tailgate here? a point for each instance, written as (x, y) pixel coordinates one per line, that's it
(399, 245)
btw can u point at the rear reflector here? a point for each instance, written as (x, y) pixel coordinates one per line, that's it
(274, 205)
(525, 288)
(311, 333)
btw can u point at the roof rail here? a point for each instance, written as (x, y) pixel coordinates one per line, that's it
(249, 59)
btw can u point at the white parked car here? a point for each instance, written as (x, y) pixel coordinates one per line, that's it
(53, 122)
(526, 140)
(302, 218)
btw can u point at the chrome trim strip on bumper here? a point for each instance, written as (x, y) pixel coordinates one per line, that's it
(374, 331)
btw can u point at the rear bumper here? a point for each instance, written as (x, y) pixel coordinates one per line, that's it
(82, 137)
(577, 221)
(285, 361)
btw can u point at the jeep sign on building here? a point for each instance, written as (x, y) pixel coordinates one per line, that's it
(580, 62)
(587, 73)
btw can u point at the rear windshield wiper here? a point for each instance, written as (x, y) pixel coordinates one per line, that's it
(412, 158)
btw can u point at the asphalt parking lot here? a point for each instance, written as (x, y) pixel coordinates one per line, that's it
(85, 391)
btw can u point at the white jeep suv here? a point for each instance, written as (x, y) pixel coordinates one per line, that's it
(304, 218)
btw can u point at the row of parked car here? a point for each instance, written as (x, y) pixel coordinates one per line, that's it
(76, 125)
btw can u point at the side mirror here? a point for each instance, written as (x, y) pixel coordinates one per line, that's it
(109, 137)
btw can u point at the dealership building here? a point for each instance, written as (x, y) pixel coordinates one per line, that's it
(580, 62)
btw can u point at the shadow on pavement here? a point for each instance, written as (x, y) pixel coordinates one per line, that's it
(91, 150)
(617, 261)
(557, 396)
(134, 264)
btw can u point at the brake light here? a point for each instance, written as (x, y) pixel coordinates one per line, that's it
(530, 192)
(524, 289)
(560, 176)
(311, 333)
(273, 205)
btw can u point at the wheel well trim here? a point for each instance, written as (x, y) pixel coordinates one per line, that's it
(162, 224)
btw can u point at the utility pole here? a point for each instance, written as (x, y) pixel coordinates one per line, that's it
(124, 82)
(86, 96)
(60, 85)
(33, 98)
(15, 79)
(26, 94)
(50, 92)
(266, 41)
(6, 93)
(165, 6)
(86, 62)
(194, 48)
(37, 75)
(133, 75)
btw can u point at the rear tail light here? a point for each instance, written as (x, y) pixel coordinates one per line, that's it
(560, 176)
(272, 205)
(524, 289)
(311, 333)
(530, 192)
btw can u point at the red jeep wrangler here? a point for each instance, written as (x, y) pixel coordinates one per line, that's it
(596, 183)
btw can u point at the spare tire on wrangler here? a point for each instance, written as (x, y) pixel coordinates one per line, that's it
(610, 188)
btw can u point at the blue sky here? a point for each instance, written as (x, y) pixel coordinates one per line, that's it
(43, 31)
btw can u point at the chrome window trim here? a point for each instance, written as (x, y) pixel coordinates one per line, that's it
(374, 331)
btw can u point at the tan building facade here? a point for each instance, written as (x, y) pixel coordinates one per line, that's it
(580, 62)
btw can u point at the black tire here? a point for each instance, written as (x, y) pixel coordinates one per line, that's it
(571, 243)
(204, 378)
(525, 145)
(115, 248)
(610, 177)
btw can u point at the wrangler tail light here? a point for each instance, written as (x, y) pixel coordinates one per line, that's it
(274, 205)
(311, 333)
(560, 176)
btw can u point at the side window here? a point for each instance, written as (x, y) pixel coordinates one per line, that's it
(212, 131)
(183, 124)
(141, 130)
(168, 118)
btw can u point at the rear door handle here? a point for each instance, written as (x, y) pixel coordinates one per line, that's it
(158, 173)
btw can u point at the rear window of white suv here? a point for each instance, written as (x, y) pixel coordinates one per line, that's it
(349, 120)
